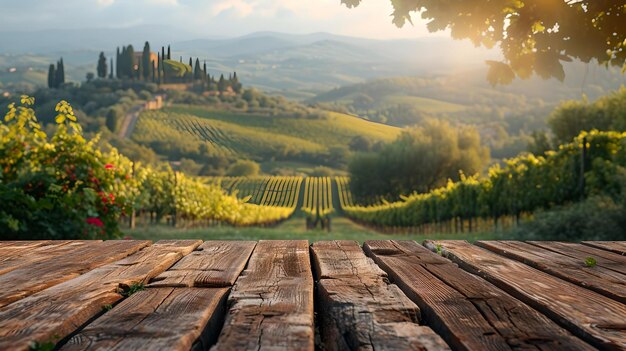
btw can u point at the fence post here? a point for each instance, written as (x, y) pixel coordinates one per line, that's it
(583, 158)
(132, 219)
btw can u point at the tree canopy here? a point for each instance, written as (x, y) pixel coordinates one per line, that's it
(535, 36)
(421, 159)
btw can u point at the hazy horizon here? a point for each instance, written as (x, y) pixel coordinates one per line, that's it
(210, 19)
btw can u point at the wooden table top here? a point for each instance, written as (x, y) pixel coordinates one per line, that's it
(331, 295)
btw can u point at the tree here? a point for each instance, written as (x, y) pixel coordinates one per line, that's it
(420, 159)
(235, 84)
(52, 76)
(540, 143)
(169, 53)
(130, 61)
(159, 68)
(360, 143)
(90, 76)
(221, 84)
(243, 168)
(60, 74)
(111, 74)
(118, 59)
(534, 36)
(114, 117)
(197, 72)
(102, 66)
(146, 60)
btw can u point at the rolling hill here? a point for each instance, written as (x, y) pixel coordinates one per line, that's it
(275, 142)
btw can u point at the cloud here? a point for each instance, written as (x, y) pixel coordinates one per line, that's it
(105, 3)
(240, 8)
(163, 2)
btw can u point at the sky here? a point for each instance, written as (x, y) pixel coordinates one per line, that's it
(211, 18)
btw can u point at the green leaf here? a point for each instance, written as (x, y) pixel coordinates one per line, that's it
(590, 262)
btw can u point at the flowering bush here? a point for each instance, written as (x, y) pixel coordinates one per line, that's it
(64, 187)
(58, 187)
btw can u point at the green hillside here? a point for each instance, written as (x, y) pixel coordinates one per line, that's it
(186, 131)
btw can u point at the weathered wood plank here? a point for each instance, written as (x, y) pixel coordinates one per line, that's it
(63, 308)
(618, 247)
(41, 274)
(10, 245)
(157, 319)
(467, 311)
(213, 264)
(271, 304)
(358, 309)
(599, 279)
(594, 317)
(21, 253)
(606, 259)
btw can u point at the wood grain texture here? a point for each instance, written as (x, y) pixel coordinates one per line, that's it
(618, 247)
(271, 304)
(157, 319)
(606, 259)
(54, 313)
(512, 322)
(358, 309)
(70, 261)
(604, 281)
(18, 253)
(593, 317)
(213, 264)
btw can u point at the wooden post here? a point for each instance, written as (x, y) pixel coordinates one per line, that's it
(175, 211)
(583, 158)
(132, 219)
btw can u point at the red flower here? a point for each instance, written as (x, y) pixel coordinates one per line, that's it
(112, 197)
(95, 221)
(109, 166)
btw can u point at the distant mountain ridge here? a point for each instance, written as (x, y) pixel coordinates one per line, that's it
(295, 65)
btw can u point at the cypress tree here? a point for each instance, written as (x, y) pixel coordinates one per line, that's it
(146, 61)
(130, 62)
(153, 71)
(60, 73)
(52, 77)
(197, 72)
(163, 52)
(204, 75)
(117, 64)
(221, 85)
(102, 66)
(111, 74)
(123, 64)
(235, 84)
(169, 53)
(159, 67)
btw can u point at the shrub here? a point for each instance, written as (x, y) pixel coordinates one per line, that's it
(597, 218)
(58, 187)
(243, 168)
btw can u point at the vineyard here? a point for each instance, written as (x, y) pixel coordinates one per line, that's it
(592, 164)
(318, 197)
(264, 191)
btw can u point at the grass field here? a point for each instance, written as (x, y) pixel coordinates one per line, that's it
(421, 103)
(293, 229)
